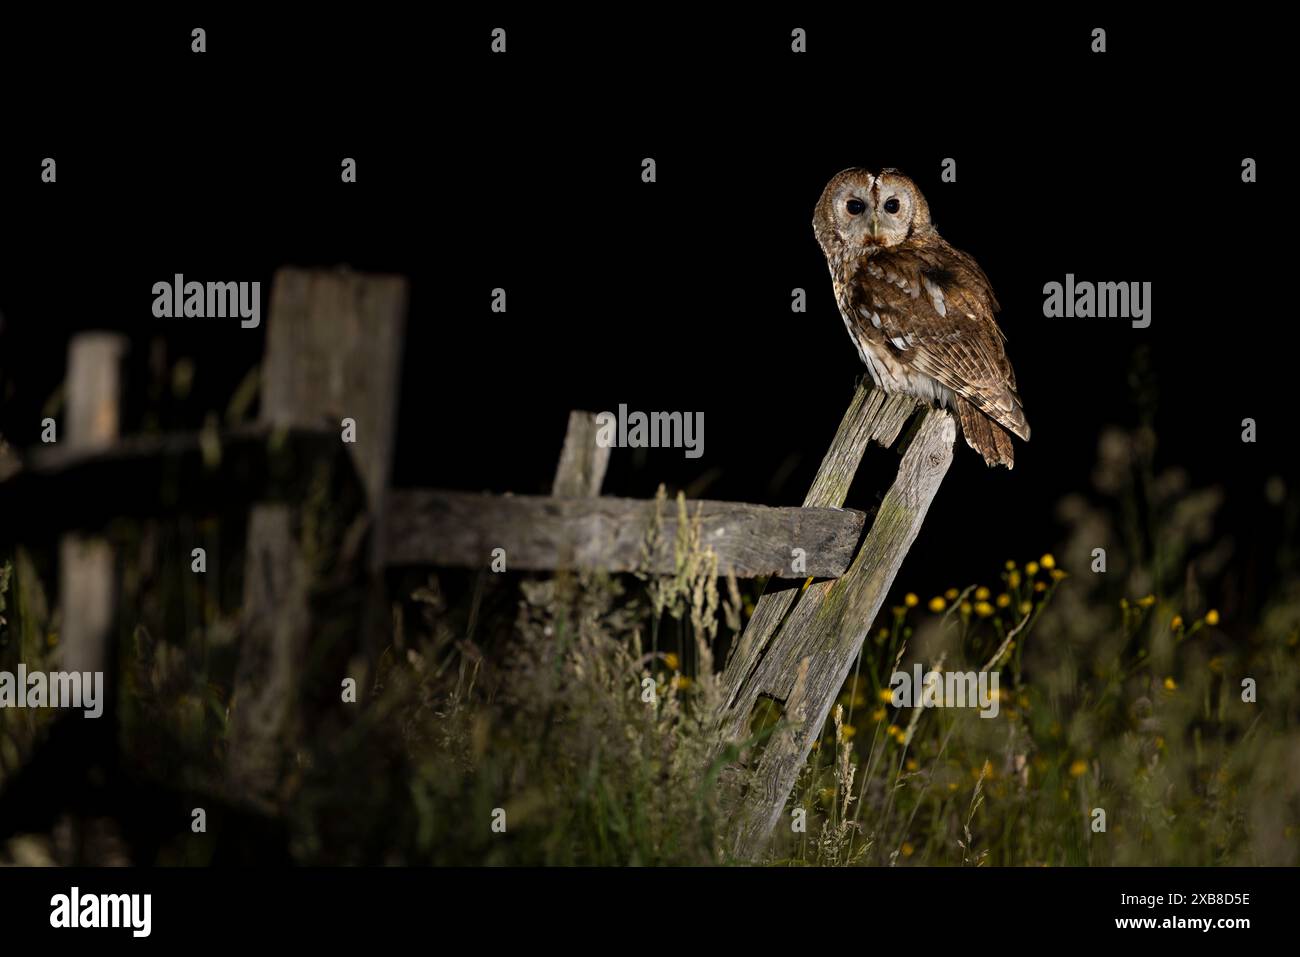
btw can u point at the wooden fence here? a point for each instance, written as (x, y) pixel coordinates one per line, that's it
(334, 341)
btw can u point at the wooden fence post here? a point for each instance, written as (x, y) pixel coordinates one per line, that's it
(87, 577)
(583, 460)
(800, 643)
(333, 353)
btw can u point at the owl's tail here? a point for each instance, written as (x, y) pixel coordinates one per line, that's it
(985, 436)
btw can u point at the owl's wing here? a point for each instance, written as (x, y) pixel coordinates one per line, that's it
(936, 309)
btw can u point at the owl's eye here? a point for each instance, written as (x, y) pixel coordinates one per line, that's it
(855, 206)
(891, 204)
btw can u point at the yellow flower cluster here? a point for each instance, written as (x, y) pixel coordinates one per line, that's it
(984, 603)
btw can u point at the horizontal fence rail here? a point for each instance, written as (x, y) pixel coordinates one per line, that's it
(537, 533)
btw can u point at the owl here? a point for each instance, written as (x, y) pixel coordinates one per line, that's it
(919, 311)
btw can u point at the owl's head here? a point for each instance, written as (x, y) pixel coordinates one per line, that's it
(859, 211)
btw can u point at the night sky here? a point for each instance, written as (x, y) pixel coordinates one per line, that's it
(523, 172)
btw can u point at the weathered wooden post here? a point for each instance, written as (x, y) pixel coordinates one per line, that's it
(333, 360)
(800, 644)
(87, 577)
(583, 460)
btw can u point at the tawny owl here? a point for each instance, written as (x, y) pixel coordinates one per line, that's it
(919, 311)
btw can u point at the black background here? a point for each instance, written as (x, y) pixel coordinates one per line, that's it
(523, 171)
(358, 906)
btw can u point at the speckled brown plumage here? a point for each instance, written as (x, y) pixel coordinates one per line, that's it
(920, 312)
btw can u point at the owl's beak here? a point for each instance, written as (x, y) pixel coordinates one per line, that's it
(873, 227)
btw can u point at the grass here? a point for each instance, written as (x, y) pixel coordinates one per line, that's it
(566, 719)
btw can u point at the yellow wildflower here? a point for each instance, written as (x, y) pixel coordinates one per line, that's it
(1171, 684)
(1004, 600)
(1146, 601)
(951, 594)
(671, 661)
(981, 594)
(908, 849)
(1212, 617)
(983, 609)
(1177, 623)
(1031, 568)
(910, 600)
(937, 604)
(1078, 768)
(1047, 561)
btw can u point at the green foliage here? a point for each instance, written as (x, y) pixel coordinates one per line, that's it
(1122, 692)
(580, 706)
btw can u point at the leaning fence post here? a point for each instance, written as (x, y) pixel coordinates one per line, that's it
(800, 644)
